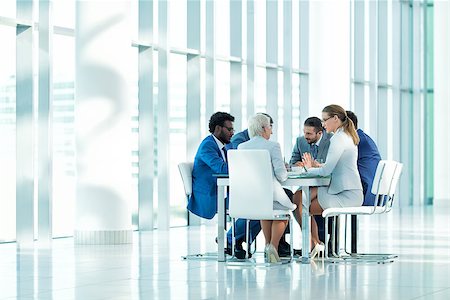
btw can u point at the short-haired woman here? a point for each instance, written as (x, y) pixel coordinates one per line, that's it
(260, 129)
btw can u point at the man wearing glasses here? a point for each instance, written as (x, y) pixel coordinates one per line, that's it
(211, 158)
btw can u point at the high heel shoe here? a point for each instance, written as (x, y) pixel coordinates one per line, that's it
(271, 254)
(319, 250)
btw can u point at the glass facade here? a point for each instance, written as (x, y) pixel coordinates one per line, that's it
(287, 58)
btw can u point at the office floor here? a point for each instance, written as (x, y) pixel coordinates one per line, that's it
(152, 268)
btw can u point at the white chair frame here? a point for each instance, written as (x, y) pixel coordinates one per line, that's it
(384, 186)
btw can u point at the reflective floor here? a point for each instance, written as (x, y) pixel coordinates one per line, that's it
(152, 268)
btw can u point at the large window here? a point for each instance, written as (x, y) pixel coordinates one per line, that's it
(64, 159)
(177, 138)
(7, 133)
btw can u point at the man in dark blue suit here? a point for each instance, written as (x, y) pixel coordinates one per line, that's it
(368, 159)
(211, 158)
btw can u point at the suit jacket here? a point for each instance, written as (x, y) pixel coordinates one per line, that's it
(278, 169)
(341, 164)
(302, 146)
(368, 159)
(208, 161)
(238, 138)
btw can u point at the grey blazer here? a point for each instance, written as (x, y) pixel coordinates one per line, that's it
(302, 146)
(340, 164)
(278, 168)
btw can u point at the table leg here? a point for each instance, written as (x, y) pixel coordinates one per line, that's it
(305, 225)
(354, 234)
(220, 223)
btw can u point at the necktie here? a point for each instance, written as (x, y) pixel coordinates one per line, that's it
(225, 153)
(314, 149)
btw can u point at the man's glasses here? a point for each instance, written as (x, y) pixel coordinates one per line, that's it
(230, 129)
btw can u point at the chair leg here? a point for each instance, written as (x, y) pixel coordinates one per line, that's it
(247, 239)
(327, 237)
(233, 236)
(291, 238)
(333, 236)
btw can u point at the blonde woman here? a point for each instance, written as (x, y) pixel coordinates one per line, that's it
(345, 188)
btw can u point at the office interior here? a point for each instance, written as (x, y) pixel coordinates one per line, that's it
(101, 100)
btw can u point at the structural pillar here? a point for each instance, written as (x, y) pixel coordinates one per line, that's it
(102, 123)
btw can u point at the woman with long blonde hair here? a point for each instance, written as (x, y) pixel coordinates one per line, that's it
(345, 188)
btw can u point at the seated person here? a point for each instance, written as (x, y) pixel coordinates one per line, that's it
(284, 249)
(211, 159)
(368, 159)
(345, 188)
(316, 141)
(260, 130)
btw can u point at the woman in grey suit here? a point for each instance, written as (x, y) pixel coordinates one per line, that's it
(260, 129)
(345, 188)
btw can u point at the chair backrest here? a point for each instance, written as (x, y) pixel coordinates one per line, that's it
(185, 169)
(251, 184)
(385, 182)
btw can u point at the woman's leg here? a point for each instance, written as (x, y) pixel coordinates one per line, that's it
(278, 228)
(266, 226)
(315, 209)
(297, 199)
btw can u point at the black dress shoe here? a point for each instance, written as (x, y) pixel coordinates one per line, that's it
(284, 249)
(239, 252)
(298, 252)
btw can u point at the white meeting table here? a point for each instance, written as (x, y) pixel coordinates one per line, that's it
(303, 181)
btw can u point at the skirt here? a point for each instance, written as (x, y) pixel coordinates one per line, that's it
(343, 199)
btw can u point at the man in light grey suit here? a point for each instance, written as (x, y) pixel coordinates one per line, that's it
(315, 141)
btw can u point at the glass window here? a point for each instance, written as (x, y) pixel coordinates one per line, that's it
(8, 8)
(177, 138)
(134, 90)
(64, 162)
(295, 34)
(178, 23)
(222, 26)
(260, 89)
(296, 129)
(366, 41)
(279, 127)
(280, 20)
(134, 20)
(244, 29)
(260, 31)
(64, 13)
(7, 133)
(222, 86)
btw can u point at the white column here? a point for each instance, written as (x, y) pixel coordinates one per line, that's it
(441, 98)
(272, 61)
(163, 116)
(304, 58)
(236, 64)
(287, 78)
(146, 128)
(24, 127)
(45, 141)
(102, 122)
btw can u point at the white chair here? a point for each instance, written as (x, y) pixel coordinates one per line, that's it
(251, 189)
(384, 186)
(185, 169)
